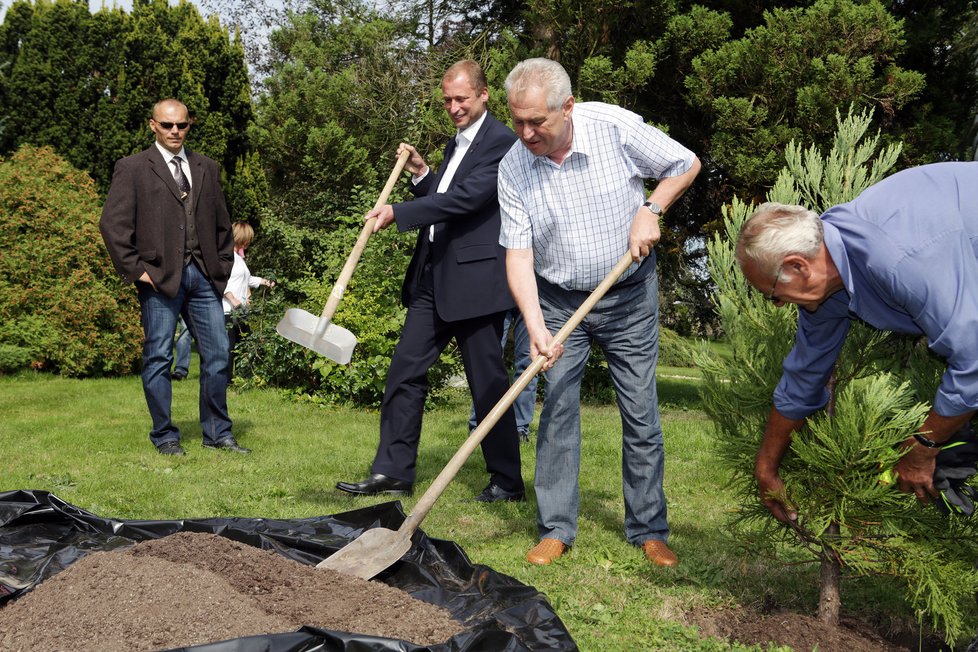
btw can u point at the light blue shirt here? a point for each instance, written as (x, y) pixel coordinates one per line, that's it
(907, 251)
(576, 216)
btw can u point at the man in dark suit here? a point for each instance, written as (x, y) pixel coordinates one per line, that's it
(455, 286)
(167, 229)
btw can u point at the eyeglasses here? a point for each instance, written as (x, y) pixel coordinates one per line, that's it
(773, 298)
(169, 125)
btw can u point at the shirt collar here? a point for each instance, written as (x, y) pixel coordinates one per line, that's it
(168, 155)
(837, 252)
(581, 141)
(465, 136)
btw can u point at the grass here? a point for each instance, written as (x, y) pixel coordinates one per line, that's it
(87, 441)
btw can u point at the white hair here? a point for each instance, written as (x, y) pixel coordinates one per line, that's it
(774, 231)
(543, 74)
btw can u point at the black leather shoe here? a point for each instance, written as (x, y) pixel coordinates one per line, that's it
(178, 375)
(227, 444)
(171, 448)
(376, 484)
(493, 493)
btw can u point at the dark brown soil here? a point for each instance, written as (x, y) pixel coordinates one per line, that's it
(800, 632)
(191, 588)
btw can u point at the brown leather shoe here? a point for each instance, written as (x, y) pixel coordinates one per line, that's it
(546, 551)
(659, 553)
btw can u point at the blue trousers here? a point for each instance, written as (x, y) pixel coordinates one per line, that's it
(625, 324)
(182, 349)
(199, 304)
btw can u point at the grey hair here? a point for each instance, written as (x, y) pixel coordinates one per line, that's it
(540, 73)
(774, 231)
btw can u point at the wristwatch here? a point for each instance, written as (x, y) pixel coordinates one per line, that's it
(655, 208)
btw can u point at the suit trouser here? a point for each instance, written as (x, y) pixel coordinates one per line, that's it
(526, 403)
(423, 338)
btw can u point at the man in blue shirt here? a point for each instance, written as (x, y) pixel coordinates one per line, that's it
(902, 257)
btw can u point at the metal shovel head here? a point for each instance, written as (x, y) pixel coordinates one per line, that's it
(369, 553)
(299, 326)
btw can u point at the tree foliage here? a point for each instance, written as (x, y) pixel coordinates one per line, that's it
(61, 303)
(832, 469)
(348, 86)
(84, 84)
(784, 81)
(305, 149)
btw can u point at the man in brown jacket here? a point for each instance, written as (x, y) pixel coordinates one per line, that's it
(167, 229)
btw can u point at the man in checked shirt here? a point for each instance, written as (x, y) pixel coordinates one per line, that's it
(573, 201)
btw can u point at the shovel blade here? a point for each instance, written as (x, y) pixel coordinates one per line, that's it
(369, 553)
(299, 326)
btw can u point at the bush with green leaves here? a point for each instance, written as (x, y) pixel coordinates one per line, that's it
(371, 308)
(851, 518)
(61, 300)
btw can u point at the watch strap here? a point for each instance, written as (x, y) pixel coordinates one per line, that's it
(924, 441)
(654, 207)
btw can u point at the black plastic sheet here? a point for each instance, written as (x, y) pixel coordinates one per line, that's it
(41, 535)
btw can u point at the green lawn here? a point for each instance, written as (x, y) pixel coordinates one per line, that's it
(87, 442)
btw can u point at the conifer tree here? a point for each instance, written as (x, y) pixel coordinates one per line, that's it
(851, 519)
(84, 84)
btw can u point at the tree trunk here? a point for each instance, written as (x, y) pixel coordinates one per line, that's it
(829, 600)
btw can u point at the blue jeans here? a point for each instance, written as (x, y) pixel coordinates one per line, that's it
(625, 324)
(199, 304)
(182, 347)
(525, 404)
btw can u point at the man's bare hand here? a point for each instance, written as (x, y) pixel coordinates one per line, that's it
(415, 163)
(145, 278)
(384, 215)
(541, 342)
(775, 498)
(915, 471)
(644, 235)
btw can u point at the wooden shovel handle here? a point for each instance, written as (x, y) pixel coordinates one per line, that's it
(351, 262)
(425, 503)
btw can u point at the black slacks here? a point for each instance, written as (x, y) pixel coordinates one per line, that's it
(423, 338)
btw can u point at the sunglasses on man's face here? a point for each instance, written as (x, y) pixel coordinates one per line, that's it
(169, 125)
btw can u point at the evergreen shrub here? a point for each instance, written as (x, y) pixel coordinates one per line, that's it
(60, 298)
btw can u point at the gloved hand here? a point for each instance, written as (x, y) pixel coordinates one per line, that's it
(955, 464)
(957, 497)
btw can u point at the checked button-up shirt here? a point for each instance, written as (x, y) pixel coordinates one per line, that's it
(576, 216)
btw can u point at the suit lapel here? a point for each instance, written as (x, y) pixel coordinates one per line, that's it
(197, 176)
(159, 167)
(471, 154)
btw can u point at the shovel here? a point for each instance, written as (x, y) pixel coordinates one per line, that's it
(320, 333)
(379, 547)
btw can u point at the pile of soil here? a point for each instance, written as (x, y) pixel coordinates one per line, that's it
(801, 632)
(192, 588)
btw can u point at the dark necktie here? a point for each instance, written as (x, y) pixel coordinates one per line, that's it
(182, 183)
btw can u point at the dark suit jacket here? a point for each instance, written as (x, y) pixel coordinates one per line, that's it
(143, 221)
(468, 264)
